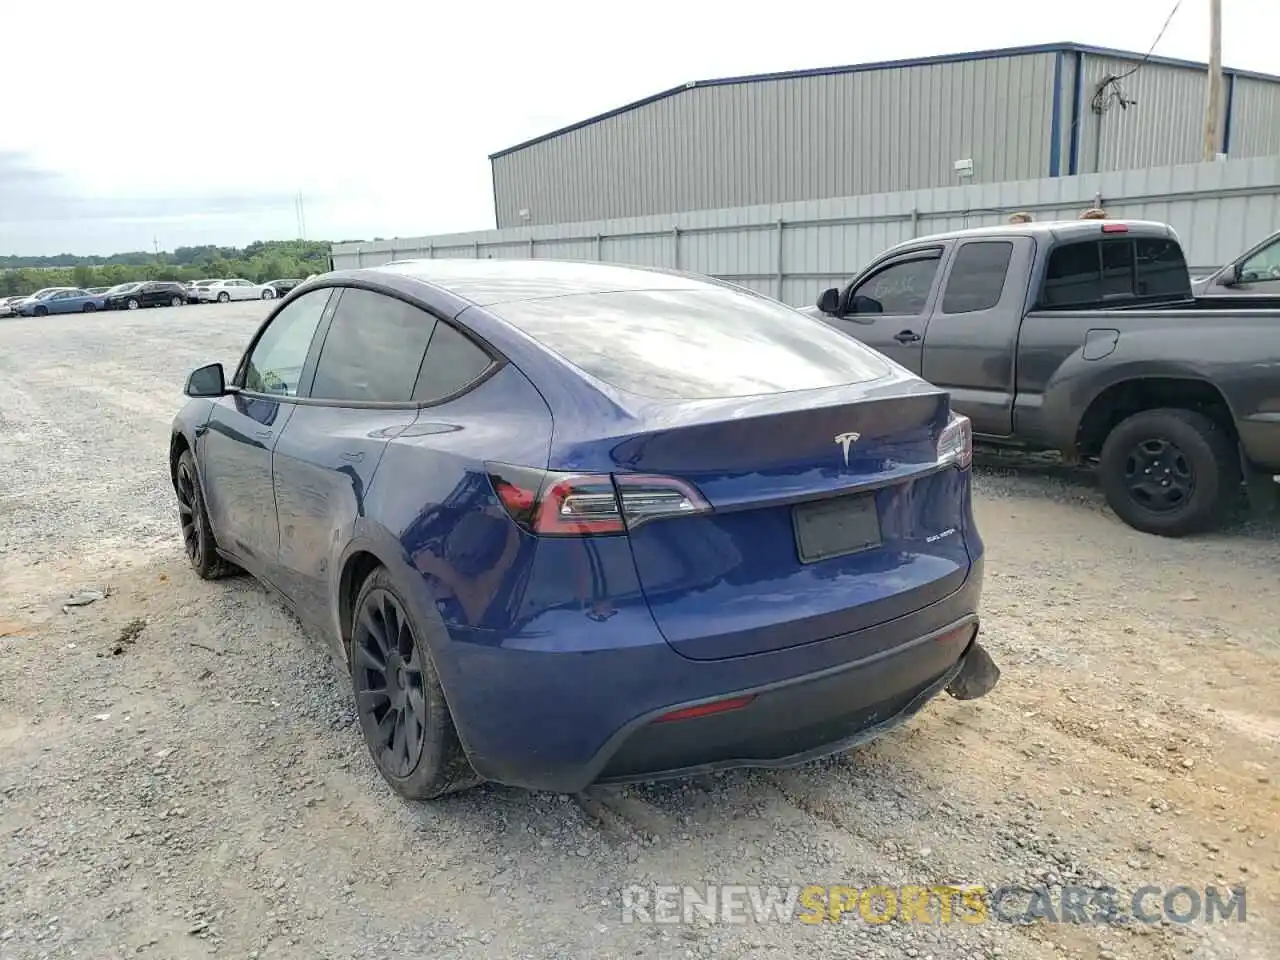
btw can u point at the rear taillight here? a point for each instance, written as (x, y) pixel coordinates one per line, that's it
(587, 504)
(955, 444)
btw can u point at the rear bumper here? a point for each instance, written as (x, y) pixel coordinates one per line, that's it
(540, 712)
(796, 722)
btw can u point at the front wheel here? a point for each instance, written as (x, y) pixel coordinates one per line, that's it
(193, 520)
(88, 308)
(132, 304)
(40, 312)
(1170, 472)
(224, 297)
(406, 722)
(175, 302)
(268, 294)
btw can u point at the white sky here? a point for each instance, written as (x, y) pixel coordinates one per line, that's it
(133, 120)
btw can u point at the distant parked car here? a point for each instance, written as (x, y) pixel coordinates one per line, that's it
(193, 289)
(150, 293)
(9, 306)
(277, 288)
(231, 289)
(60, 301)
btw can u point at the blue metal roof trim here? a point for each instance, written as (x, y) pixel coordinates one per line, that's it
(992, 54)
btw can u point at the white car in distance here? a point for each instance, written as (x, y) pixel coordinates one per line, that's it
(232, 288)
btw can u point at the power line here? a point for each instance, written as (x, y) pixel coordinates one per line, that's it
(1102, 100)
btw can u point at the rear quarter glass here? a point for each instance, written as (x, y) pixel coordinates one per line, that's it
(712, 343)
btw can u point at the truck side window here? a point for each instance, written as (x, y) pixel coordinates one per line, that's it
(1080, 274)
(900, 289)
(977, 276)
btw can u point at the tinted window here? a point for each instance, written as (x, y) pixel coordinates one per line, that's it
(452, 362)
(977, 277)
(1162, 269)
(1094, 271)
(275, 366)
(1074, 275)
(373, 349)
(901, 289)
(690, 344)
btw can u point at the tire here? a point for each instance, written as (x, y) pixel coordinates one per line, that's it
(175, 302)
(384, 633)
(132, 303)
(88, 308)
(224, 297)
(193, 522)
(40, 312)
(268, 294)
(1190, 465)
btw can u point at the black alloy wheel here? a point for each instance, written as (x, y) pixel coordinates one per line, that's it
(1158, 476)
(197, 535)
(406, 722)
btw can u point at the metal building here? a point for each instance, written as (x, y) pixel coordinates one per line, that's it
(1019, 113)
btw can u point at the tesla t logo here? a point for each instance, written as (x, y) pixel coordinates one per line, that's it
(846, 442)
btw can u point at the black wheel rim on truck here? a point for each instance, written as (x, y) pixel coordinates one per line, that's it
(1159, 476)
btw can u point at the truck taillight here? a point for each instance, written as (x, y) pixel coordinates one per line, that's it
(557, 504)
(955, 443)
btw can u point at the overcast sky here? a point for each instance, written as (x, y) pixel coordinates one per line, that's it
(131, 122)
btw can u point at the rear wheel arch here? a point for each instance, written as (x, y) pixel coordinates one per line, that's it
(1119, 401)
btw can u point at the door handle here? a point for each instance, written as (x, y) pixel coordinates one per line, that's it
(264, 434)
(350, 457)
(907, 336)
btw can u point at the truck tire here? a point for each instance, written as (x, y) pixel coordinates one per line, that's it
(1170, 472)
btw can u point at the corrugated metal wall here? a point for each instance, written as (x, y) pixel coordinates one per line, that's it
(878, 130)
(793, 251)
(1255, 117)
(1164, 126)
(774, 141)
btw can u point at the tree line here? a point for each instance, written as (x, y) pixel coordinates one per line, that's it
(259, 262)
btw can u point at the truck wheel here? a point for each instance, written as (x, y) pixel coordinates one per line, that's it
(1169, 472)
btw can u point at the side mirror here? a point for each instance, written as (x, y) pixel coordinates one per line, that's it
(829, 301)
(864, 305)
(207, 381)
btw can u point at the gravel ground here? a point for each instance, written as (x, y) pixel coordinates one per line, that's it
(181, 773)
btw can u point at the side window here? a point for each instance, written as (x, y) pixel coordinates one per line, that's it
(275, 366)
(900, 289)
(373, 350)
(1074, 275)
(452, 362)
(977, 276)
(1263, 265)
(1162, 268)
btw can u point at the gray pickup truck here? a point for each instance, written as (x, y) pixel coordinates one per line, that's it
(1084, 337)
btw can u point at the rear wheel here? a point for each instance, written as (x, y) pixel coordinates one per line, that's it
(268, 294)
(193, 521)
(223, 297)
(1169, 472)
(175, 302)
(406, 722)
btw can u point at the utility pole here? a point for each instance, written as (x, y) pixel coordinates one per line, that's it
(1213, 89)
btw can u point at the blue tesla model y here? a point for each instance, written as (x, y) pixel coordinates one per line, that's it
(572, 523)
